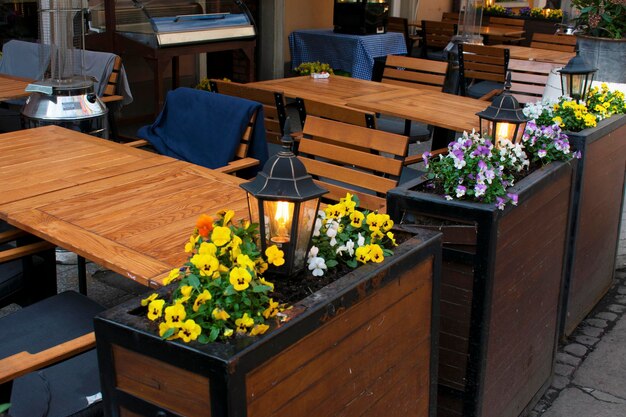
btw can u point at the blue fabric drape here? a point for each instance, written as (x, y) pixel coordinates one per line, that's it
(205, 128)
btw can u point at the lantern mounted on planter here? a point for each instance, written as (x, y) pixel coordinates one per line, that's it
(576, 77)
(283, 199)
(504, 118)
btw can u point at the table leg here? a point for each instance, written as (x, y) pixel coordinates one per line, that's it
(442, 137)
(82, 275)
(158, 66)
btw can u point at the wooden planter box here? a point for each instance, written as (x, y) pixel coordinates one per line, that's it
(359, 346)
(596, 219)
(501, 278)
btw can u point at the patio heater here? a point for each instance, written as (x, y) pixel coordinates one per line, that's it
(67, 98)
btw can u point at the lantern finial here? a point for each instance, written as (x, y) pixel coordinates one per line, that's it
(286, 140)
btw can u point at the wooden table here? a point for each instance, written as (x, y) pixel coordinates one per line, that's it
(133, 218)
(12, 87)
(537, 54)
(335, 89)
(443, 110)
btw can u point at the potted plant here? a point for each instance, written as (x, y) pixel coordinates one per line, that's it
(504, 240)
(596, 128)
(602, 37)
(314, 69)
(221, 340)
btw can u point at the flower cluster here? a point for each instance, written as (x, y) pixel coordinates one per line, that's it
(573, 116)
(604, 102)
(497, 10)
(345, 234)
(602, 18)
(308, 68)
(474, 169)
(546, 143)
(221, 291)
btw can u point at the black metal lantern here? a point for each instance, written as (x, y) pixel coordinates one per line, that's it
(576, 77)
(283, 200)
(504, 118)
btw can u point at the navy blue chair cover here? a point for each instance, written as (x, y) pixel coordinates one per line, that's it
(206, 128)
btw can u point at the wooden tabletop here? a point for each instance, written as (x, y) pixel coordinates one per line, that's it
(448, 111)
(135, 223)
(12, 87)
(538, 54)
(45, 159)
(335, 89)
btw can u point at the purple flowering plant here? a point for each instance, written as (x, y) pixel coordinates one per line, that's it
(546, 144)
(473, 169)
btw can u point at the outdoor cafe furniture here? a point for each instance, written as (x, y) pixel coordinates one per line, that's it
(354, 54)
(537, 54)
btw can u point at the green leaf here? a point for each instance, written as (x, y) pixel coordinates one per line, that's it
(214, 333)
(387, 252)
(230, 290)
(203, 339)
(247, 302)
(352, 263)
(260, 288)
(168, 333)
(193, 281)
(331, 263)
(4, 407)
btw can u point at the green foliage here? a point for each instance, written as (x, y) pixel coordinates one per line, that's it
(307, 68)
(602, 18)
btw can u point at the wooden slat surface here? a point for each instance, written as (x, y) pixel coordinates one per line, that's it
(537, 54)
(41, 160)
(12, 87)
(439, 109)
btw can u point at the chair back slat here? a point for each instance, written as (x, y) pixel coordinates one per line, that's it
(401, 25)
(528, 79)
(339, 113)
(506, 22)
(111, 86)
(273, 105)
(565, 43)
(414, 72)
(485, 63)
(436, 34)
(348, 158)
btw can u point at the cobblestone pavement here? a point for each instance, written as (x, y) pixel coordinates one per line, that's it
(590, 368)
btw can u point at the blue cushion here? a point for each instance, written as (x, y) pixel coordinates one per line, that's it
(480, 88)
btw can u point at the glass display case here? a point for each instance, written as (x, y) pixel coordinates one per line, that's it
(160, 23)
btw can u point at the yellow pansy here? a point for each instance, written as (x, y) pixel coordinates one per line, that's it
(164, 327)
(269, 284)
(207, 248)
(185, 291)
(174, 315)
(243, 323)
(206, 264)
(362, 254)
(173, 276)
(189, 331)
(220, 235)
(147, 300)
(559, 120)
(227, 215)
(335, 211)
(259, 329)
(271, 310)
(348, 203)
(202, 298)
(155, 309)
(373, 220)
(245, 261)
(261, 266)
(392, 238)
(235, 245)
(240, 278)
(356, 219)
(219, 314)
(191, 243)
(275, 256)
(228, 332)
(376, 254)
(376, 234)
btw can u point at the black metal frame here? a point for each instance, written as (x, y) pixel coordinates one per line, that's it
(403, 200)
(226, 365)
(462, 81)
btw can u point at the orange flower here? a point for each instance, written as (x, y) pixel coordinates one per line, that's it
(204, 225)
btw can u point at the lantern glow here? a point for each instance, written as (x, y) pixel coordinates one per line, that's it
(576, 78)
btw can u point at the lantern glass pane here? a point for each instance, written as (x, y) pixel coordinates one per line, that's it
(520, 132)
(306, 221)
(504, 131)
(279, 216)
(577, 85)
(253, 208)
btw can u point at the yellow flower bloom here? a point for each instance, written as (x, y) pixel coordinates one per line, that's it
(220, 235)
(259, 329)
(377, 234)
(348, 203)
(147, 300)
(271, 310)
(228, 332)
(392, 238)
(173, 276)
(356, 219)
(243, 323)
(362, 254)
(174, 315)
(191, 244)
(219, 314)
(376, 254)
(245, 262)
(373, 220)
(155, 309)
(207, 248)
(269, 284)
(385, 222)
(189, 331)
(240, 278)
(261, 266)
(559, 120)
(206, 264)
(335, 211)
(227, 215)
(185, 291)
(164, 327)
(202, 298)
(275, 256)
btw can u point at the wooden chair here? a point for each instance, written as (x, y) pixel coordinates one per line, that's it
(339, 113)
(450, 17)
(111, 98)
(346, 158)
(565, 43)
(484, 66)
(273, 105)
(401, 25)
(528, 80)
(435, 37)
(508, 23)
